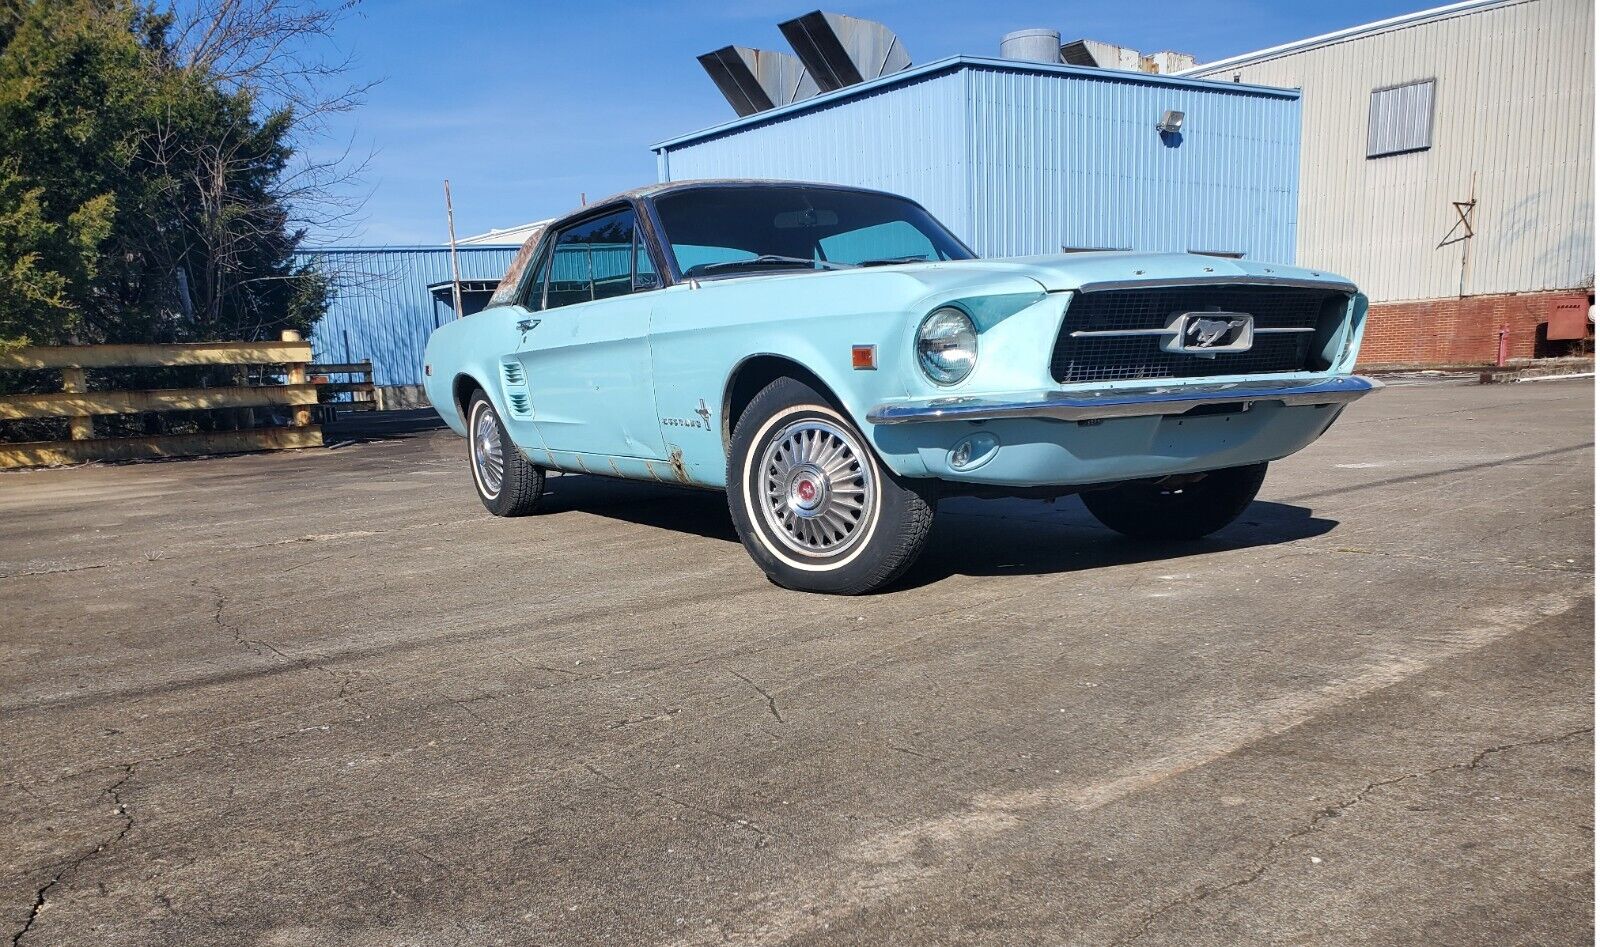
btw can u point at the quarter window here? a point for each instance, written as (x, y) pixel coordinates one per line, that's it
(1400, 119)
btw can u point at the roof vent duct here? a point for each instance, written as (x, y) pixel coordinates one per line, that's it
(841, 50)
(1089, 52)
(1032, 46)
(754, 80)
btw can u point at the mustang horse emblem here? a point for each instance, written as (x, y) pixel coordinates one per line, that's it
(1206, 333)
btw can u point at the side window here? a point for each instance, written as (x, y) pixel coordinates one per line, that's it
(592, 260)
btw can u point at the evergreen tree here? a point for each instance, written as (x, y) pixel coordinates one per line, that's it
(142, 193)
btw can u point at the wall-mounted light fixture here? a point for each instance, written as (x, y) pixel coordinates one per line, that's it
(1171, 122)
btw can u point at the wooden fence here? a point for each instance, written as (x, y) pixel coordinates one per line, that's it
(357, 384)
(80, 405)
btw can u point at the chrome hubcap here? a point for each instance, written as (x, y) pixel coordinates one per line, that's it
(817, 488)
(488, 461)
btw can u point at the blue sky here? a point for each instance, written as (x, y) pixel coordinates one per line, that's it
(525, 105)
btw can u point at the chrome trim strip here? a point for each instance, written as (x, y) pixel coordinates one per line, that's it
(1339, 286)
(1094, 405)
(1118, 333)
(1123, 333)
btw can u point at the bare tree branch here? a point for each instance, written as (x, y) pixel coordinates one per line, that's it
(281, 58)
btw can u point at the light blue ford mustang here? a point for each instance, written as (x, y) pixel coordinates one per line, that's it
(836, 360)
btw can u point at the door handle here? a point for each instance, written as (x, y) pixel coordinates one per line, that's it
(527, 325)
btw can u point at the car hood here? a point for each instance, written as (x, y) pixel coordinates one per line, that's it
(1069, 271)
(918, 285)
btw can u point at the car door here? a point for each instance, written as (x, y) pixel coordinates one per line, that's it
(585, 350)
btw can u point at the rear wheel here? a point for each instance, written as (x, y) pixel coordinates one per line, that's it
(812, 503)
(1184, 511)
(507, 484)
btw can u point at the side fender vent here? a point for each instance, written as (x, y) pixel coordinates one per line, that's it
(515, 382)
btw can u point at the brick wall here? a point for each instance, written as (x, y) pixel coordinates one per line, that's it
(1461, 331)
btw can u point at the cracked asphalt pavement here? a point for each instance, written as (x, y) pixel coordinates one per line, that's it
(322, 698)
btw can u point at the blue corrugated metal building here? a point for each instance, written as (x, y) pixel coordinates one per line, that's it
(382, 309)
(1017, 157)
(1024, 158)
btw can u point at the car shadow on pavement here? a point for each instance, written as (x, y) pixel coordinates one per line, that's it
(970, 536)
(683, 509)
(1030, 537)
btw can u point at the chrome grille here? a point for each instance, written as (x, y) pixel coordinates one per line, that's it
(1117, 358)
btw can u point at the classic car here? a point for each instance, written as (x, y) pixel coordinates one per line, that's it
(836, 360)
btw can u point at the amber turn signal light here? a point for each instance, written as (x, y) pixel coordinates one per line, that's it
(863, 357)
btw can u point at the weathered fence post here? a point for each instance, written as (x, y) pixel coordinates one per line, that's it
(297, 376)
(79, 426)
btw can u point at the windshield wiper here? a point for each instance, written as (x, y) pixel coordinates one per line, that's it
(892, 260)
(765, 259)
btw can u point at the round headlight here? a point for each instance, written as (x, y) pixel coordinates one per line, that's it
(947, 346)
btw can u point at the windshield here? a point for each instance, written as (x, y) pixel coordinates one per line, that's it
(725, 231)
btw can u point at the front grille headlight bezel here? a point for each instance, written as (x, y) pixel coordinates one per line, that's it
(947, 346)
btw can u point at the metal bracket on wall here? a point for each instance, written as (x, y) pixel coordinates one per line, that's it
(1462, 228)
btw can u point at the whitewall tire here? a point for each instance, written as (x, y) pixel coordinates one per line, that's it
(813, 505)
(506, 483)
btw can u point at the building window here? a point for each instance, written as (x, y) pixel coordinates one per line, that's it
(1400, 119)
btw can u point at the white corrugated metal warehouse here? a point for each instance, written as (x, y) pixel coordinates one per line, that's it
(1446, 164)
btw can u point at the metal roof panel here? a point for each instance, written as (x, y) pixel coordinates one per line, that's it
(958, 63)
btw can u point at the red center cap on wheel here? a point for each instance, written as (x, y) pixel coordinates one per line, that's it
(807, 490)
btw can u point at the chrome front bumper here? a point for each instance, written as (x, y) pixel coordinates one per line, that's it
(1124, 402)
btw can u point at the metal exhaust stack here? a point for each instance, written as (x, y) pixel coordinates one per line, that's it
(754, 80)
(1032, 46)
(841, 50)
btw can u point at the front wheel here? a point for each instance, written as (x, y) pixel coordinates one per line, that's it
(813, 505)
(507, 484)
(1188, 510)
